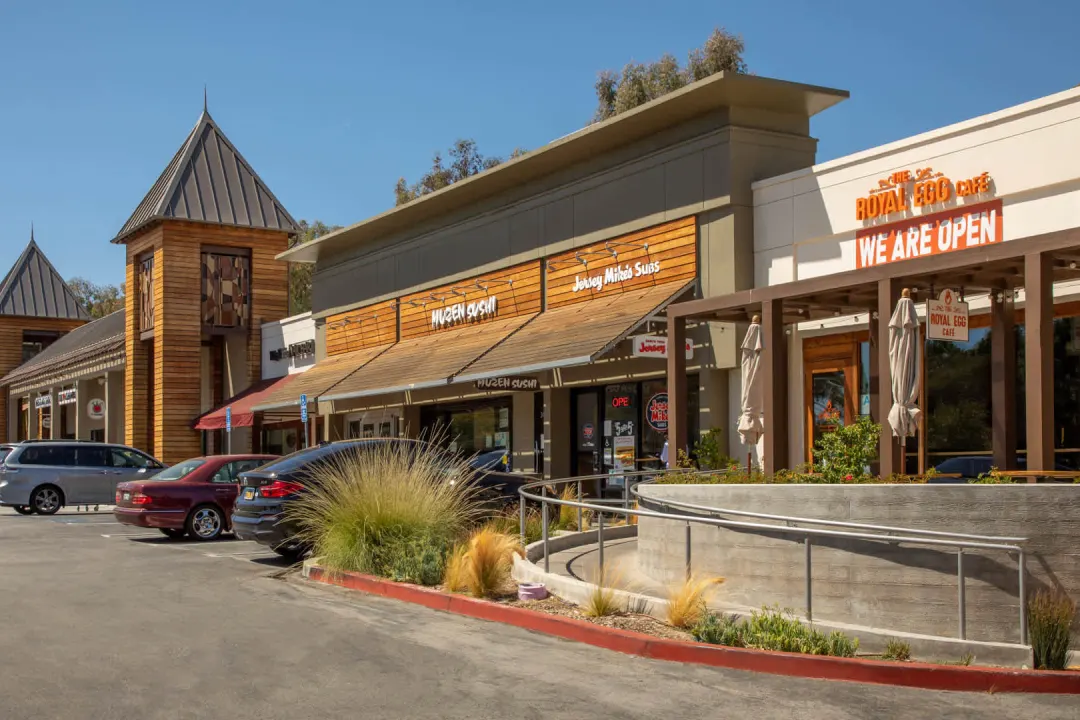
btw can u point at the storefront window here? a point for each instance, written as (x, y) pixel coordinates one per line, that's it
(828, 398)
(621, 407)
(473, 427)
(864, 378)
(280, 441)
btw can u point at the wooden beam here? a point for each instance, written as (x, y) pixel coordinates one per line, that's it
(775, 387)
(1039, 360)
(1003, 378)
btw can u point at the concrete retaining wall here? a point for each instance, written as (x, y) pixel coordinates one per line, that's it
(904, 588)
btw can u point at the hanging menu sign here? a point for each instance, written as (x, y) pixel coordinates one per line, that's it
(43, 401)
(947, 317)
(67, 397)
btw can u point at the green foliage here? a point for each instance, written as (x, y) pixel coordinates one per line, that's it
(1050, 619)
(709, 452)
(637, 84)
(509, 522)
(99, 300)
(844, 454)
(300, 273)
(897, 650)
(465, 160)
(390, 511)
(994, 477)
(773, 629)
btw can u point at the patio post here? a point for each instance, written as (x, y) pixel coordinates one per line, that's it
(676, 382)
(890, 461)
(1039, 360)
(774, 388)
(1003, 377)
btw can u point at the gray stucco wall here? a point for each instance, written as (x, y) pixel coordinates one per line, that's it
(906, 588)
(685, 171)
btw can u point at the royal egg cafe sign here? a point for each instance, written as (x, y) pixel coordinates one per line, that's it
(954, 227)
(614, 275)
(947, 317)
(462, 312)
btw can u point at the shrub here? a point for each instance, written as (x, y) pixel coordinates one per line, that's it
(393, 510)
(897, 650)
(687, 601)
(1050, 619)
(601, 600)
(482, 565)
(994, 477)
(568, 516)
(844, 454)
(509, 522)
(772, 629)
(709, 453)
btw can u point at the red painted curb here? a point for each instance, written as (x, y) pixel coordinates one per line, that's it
(918, 675)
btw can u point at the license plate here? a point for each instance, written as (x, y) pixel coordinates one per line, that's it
(127, 496)
(249, 494)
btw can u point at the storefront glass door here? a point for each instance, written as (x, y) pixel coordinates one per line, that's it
(586, 436)
(830, 402)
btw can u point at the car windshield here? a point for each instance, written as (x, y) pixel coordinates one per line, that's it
(179, 471)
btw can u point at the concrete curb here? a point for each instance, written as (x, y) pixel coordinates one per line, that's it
(917, 675)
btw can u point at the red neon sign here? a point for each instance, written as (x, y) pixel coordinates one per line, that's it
(620, 401)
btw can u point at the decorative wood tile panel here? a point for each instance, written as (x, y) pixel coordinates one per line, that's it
(500, 294)
(656, 256)
(361, 328)
(226, 290)
(145, 288)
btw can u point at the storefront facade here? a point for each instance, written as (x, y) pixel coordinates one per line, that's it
(970, 217)
(524, 307)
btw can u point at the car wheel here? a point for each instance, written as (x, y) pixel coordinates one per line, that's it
(46, 500)
(205, 523)
(173, 533)
(23, 509)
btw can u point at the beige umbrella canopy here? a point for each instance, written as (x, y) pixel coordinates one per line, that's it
(904, 416)
(750, 426)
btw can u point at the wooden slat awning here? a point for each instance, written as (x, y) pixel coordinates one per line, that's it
(319, 379)
(426, 361)
(573, 334)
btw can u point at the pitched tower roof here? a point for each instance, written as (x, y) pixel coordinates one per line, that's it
(33, 288)
(208, 180)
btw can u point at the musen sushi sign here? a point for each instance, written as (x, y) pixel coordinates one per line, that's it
(461, 312)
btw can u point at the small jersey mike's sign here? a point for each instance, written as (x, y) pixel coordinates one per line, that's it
(947, 317)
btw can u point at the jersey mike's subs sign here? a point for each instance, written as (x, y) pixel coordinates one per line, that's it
(960, 228)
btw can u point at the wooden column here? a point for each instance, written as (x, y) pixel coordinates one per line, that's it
(676, 383)
(1003, 378)
(1039, 360)
(774, 358)
(889, 457)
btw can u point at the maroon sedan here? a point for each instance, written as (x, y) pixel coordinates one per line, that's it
(193, 498)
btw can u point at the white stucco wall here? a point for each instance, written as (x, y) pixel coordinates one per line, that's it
(804, 222)
(282, 334)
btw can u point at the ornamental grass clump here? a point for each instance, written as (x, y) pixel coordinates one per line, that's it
(482, 565)
(773, 629)
(392, 509)
(1050, 619)
(602, 600)
(687, 601)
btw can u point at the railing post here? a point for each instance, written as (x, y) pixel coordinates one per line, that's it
(1023, 601)
(521, 522)
(544, 520)
(600, 542)
(688, 570)
(960, 590)
(579, 526)
(809, 582)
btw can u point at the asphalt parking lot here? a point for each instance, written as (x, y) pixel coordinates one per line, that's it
(102, 621)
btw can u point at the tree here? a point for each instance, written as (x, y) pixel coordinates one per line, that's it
(638, 84)
(99, 300)
(300, 273)
(465, 160)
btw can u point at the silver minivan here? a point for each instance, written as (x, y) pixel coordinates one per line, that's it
(43, 476)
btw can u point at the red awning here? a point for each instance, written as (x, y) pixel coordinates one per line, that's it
(241, 404)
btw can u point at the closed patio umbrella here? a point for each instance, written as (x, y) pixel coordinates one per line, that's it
(904, 416)
(750, 427)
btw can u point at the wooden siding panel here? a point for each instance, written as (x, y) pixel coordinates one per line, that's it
(138, 375)
(673, 246)
(577, 330)
(11, 337)
(362, 328)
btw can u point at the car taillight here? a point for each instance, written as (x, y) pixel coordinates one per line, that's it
(117, 497)
(279, 489)
(140, 499)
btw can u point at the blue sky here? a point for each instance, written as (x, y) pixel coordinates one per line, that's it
(332, 101)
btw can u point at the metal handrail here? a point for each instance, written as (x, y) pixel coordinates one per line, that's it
(813, 521)
(916, 537)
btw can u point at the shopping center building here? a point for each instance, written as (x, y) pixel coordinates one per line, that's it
(981, 219)
(523, 308)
